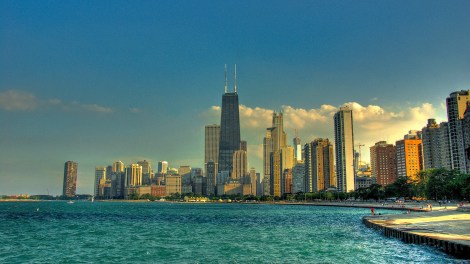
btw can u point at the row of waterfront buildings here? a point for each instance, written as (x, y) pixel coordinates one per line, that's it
(316, 166)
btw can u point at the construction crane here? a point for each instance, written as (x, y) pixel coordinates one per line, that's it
(359, 145)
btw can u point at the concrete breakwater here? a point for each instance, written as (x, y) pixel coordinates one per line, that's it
(448, 230)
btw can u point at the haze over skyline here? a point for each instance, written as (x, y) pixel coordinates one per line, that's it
(96, 82)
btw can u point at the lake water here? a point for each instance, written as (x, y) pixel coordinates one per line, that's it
(119, 232)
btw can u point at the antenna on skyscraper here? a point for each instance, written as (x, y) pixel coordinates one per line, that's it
(225, 87)
(235, 79)
(296, 132)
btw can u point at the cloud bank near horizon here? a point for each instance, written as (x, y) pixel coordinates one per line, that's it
(21, 101)
(372, 123)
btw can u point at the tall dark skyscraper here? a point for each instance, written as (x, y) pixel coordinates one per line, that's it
(229, 140)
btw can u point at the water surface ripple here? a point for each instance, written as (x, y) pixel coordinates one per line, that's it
(113, 232)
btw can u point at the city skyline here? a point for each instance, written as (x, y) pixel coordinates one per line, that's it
(97, 84)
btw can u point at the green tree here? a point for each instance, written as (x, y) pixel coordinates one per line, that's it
(134, 196)
(402, 187)
(147, 196)
(329, 196)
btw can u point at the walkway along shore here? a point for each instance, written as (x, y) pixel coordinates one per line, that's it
(448, 230)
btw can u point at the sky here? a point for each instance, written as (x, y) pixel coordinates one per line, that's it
(101, 81)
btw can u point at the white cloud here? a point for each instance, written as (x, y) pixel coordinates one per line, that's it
(255, 117)
(134, 110)
(54, 101)
(14, 100)
(96, 108)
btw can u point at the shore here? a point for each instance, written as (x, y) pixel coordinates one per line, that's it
(414, 206)
(447, 229)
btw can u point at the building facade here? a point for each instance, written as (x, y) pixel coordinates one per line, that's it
(267, 150)
(466, 137)
(100, 177)
(229, 140)
(240, 165)
(173, 185)
(70, 179)
(134, 175)
(297, 143)
(383, 160)
(319, 165)
(456, 105)
(211, 145)
(436, 147)
(162, 167)
(409, 156)
(211, 174)
(147, 172)
(344, 149)
(298, 177)
(274, 143)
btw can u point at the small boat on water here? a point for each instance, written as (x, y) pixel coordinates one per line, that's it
(70, 202)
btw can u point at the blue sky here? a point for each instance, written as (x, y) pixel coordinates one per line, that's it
(99, 81)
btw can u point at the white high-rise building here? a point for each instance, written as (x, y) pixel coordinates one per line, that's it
(344, 149)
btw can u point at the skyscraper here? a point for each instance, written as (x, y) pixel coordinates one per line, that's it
(70, 179)
(297, 147)
(298, 177)
(134, 175)
(240, 165)
(436, 148)
(118, 166)
(118, 179)
(319, 172)
(308, 170)
(466, 137)
(274, 142)
(456, 105)
(278, 134)
(100, 174)
(344, 148)
(147, 172)
(162, 167)
(253, 181)
(211, 174)
(383, 161)
(211, 146)
(409, 155)
(229, 141)
(267, 150)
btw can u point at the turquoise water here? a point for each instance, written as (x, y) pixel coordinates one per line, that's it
(115, 232)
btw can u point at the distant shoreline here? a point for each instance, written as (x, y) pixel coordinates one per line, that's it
(20, 200)
(414, 206)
